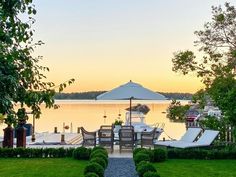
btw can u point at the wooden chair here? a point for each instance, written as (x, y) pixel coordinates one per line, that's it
(89, 138)
(147, 138)
(106, 136)
(126, 137)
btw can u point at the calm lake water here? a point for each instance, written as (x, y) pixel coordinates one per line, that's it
(90, 114)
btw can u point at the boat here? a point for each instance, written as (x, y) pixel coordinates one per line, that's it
(193, 115)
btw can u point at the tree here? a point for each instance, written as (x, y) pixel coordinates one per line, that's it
(217, 68)
(22, 78)
(177, 112)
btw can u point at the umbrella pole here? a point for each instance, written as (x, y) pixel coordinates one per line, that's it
(130, 104)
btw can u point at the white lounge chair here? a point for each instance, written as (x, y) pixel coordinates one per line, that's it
(206, 139)
(190, 135)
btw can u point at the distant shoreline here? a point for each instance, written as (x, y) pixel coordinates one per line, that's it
(91, 95)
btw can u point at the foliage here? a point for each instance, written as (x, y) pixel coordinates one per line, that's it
(149, 152)
(217, 69)
(100, 161)
(100, 155)
(90, 174)
(223, 92)
(94, 167)
(22, 79)
(217, 42)
(160, 155)
(141, 157)
(141, 164)
(222, 153)
(200, 98)
(151, 174)
(177, 112)
(35, 153)
(145, 168)
(118, 122)
(103, 151)
(81, 153)
(214, 123)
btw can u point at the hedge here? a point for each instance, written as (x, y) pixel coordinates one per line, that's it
(35, 152)
(224, 153)
(98, 162)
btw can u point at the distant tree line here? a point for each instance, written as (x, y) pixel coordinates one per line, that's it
(93, 94)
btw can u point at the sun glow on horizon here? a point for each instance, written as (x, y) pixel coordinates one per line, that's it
(103, 44)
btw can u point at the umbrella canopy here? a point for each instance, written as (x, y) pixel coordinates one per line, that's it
(131, 91)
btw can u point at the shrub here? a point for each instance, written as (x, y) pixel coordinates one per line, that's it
(98, 147)
(21, 152)
(149, 152)
(91, 175)
(141, 163)
(141, 157)
(81, 153)
(100, 161)
(145, 168)
(94, 167)
(151, 174)
(137, 150)
(100, 155)
(103, 151)
(69, 152)
(160, 155)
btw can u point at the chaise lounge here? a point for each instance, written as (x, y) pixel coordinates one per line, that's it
(190, 136)
(205, 140)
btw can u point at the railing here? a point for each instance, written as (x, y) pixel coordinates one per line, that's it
(227, 135)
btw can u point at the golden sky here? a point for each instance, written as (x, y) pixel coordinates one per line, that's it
(106, 43)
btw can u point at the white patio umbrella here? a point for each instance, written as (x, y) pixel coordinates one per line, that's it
(130, 91)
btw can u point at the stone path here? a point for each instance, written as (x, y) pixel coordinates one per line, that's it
(121, 167)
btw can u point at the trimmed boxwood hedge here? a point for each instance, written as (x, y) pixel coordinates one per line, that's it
(100, 155)
(224, 153)
(81, 153)
(141, 156)
(35, 152)
(160, 155)
(94, 167)
(145, 168)
(151, 174)
(91, 174)
(103, 151)
(98, 162)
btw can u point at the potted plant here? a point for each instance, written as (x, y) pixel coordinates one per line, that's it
(117, 125)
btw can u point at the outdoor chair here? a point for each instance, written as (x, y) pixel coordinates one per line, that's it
(205, 140)
(89, 138)
(126, 137)
(147, 138)
(106, 136)
(190, 136)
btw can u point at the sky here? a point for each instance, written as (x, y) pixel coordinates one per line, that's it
(106, 43)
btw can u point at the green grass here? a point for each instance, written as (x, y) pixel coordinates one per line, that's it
(197, 168)
(60, 167)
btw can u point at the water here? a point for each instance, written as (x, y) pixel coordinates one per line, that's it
(90, 114)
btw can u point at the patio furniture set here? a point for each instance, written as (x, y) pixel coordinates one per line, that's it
(127, 138)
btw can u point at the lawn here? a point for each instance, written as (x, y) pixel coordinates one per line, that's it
(59, 167)
(197, 168)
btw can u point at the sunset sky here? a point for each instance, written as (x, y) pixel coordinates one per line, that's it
(105, 43)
